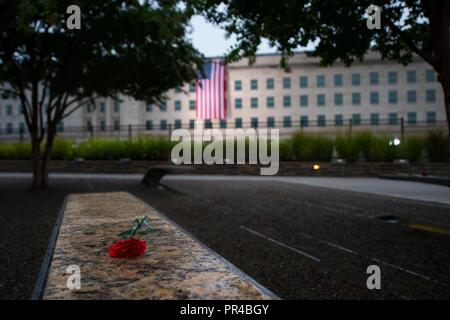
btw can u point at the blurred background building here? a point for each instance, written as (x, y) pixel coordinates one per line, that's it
(376, 95)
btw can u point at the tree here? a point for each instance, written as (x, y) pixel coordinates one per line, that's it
(132, 47)
(339, 26)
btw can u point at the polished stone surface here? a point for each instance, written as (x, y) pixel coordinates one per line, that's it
(175, 266)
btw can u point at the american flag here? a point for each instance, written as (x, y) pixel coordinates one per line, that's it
(211, 87)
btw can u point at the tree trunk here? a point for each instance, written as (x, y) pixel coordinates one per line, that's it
(46, 157)
(36, 163)
(446, 88)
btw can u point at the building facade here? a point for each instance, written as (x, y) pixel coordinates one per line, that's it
(376, 95)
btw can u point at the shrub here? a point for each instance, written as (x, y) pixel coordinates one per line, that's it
(7, 151)
(437, 147)
(311, 148)
(22, 151)
(366, 145)
(286, 150)
(62, 150)
(347, 148)
(411, 148)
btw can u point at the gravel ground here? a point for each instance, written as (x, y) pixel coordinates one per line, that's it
(301, 242)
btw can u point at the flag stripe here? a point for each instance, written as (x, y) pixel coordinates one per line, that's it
(211, 92)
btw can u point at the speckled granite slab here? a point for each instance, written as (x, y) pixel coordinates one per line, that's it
(175, 266)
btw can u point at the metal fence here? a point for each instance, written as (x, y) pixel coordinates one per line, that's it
(398, 127)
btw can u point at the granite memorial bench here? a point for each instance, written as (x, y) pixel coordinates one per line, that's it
(156, 173)
(175, 265)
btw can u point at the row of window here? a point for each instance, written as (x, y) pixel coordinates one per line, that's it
(304, 100)
(321, 120)
(23, 129)
(374, 99)
(338, 80)
(320, 80)
(90, 108)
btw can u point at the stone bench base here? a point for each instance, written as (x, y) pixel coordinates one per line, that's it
(175, 266)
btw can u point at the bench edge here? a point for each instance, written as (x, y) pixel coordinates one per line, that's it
(41, 280)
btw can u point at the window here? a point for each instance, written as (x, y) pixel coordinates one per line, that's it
(102, 125)
(89, 108)
(102, 107)
(411, 76)
(254, 122)
(9, 110)
(178, 89)
(392, 77)
(238, 122)
(192, 105)
(431, 117)
(374, 119)
(303, 101)
(374, 78)
(270, 102)
(60, 127)
(238, 103)
(374, 98)
(163, 125)
(163, 106)
(411, 117)
(320, 81)
(287, 122)
(254, 84)
(208, 124)
(338, 120)
(9, 128)
(270, 122)
(321, 100)
(303, 82)
(238, 85)
(356, 98)
(338, 80)
(431, 95)
(356, 119)
(149, 125)
(270, 83)
(177, 105)
(356, 79)
(192, 86)
(412, 96)
(286, 83)
(393, 118)
(254, 103)
(116, 125)
(223, 124)
(22, 127)
(192, 124)
(304, 121)
(321, 120)
(392, 97)
(177, 124)
(116, 106)
(338, 99)
(430, 75)
(149, 107)
(287, 101)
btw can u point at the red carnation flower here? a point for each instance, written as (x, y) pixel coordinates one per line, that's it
(129, 248)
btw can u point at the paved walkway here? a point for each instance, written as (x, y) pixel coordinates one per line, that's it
(393, 188)
(398, 189)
